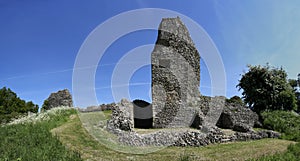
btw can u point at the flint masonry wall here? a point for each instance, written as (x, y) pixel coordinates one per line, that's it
(175, 76)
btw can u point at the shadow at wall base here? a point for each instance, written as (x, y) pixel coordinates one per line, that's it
(143, 123)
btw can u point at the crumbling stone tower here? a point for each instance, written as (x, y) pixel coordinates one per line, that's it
(175, 76)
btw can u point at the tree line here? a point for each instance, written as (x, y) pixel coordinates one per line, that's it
(264, 88)
(11, 106)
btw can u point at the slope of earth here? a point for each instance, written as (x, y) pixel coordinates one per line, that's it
(29, 138)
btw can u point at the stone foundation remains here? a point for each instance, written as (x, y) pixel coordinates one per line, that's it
(121, 125)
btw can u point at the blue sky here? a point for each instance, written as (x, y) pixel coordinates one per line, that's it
(39, 41)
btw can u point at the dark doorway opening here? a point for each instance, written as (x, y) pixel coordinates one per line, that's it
(143, 115)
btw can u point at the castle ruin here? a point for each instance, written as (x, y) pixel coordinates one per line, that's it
(176, 101)
(175, 76)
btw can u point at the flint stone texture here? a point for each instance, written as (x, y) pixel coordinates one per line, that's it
(188, 137)
(175, 75)
(237, 117)
(269, 134)
(208, 112)
(242, 127)
(121, 118)
(60, 98)
(242, 136)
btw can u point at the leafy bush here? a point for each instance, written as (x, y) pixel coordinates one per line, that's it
(285, 122)
(28, 140)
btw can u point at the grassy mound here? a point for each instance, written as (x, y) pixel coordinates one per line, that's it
(29, 138)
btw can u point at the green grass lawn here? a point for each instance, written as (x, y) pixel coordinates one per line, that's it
(84, 132)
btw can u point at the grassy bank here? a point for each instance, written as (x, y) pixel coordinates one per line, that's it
(30, 138)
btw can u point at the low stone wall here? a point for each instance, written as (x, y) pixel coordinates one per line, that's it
(188, 137)
(121, 124)
(101, 107)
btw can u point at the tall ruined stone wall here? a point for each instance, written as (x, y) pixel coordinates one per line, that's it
(175, 75)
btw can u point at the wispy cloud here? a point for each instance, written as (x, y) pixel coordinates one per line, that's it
(257, 32)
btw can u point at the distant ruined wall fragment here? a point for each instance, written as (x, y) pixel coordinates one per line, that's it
(57, 99)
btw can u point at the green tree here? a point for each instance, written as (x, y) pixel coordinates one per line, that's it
(266, 87)
(294, 84)
(235, 100)
(45, 106)
(30, 106)
(12, 106)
